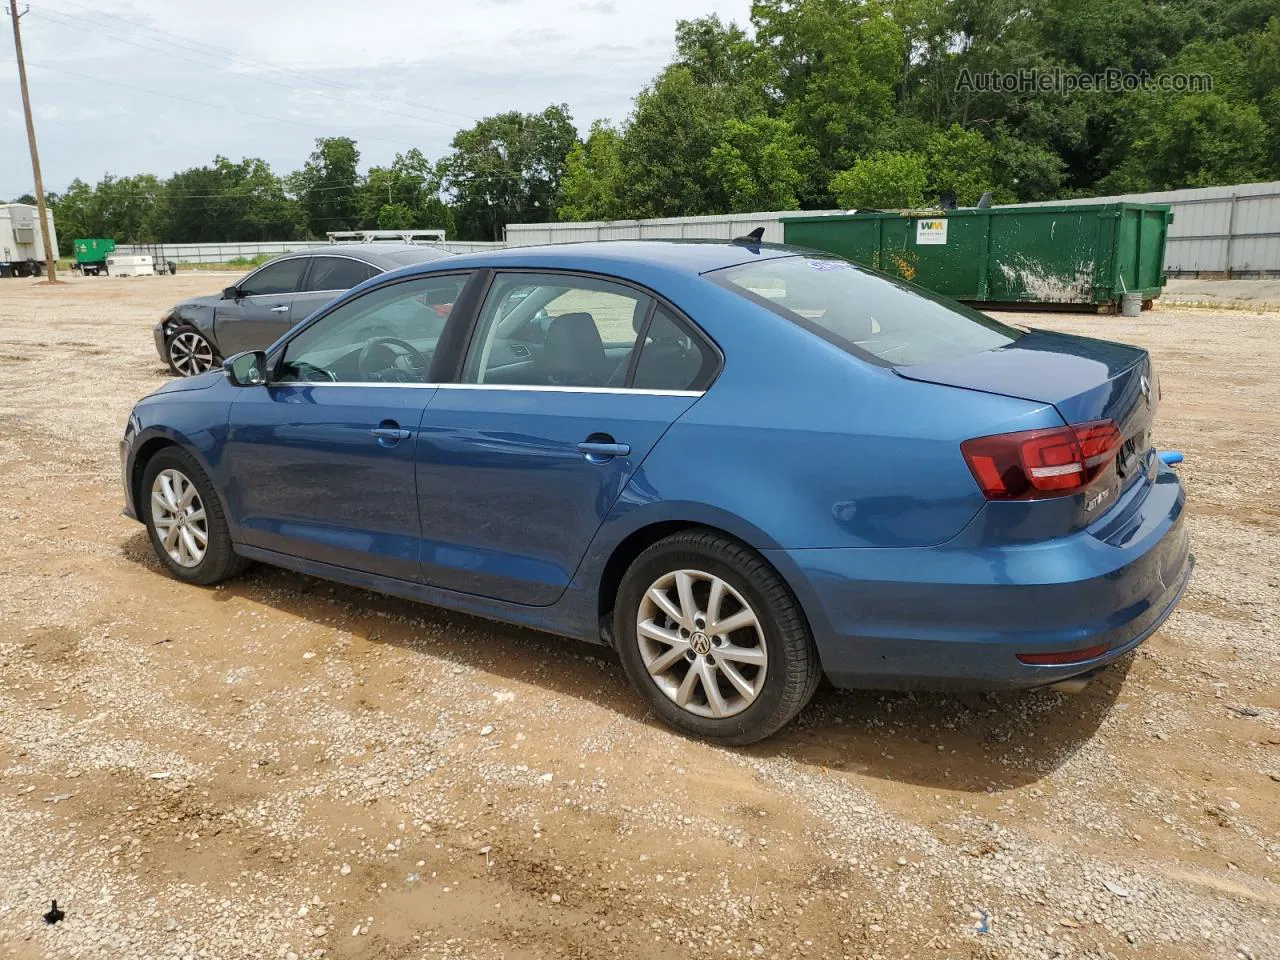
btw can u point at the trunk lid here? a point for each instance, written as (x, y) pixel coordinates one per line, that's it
(1084, 379)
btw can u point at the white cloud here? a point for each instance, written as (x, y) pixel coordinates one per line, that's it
(470, 58)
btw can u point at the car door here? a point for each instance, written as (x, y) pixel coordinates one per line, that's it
(521, 460)
(321, 460)
(329, 276)
(259, 313)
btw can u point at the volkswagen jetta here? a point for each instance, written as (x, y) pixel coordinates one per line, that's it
(742, 466)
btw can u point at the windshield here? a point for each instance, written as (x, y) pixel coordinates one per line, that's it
(868, 314)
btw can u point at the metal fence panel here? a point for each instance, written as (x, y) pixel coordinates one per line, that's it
(1232, 230)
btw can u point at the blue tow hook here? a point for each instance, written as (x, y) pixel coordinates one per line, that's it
(1171, 457)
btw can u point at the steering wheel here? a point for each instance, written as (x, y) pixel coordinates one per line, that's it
(416, 357)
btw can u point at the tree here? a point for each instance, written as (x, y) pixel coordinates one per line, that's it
(667, 146)
(327, 186)
(960, 163)
(593, 187)
(508, 169)
(831, 67)
(716, 54)
(759, 164)
(405, 196)
(228, 201)
(883, 181)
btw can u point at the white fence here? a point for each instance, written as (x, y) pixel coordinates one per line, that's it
(1231, 231)
(225, 252)
(721, 227)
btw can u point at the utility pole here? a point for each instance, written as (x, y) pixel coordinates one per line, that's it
(51, 255)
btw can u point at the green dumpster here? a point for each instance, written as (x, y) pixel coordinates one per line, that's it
(1085, 255)
(91, 255)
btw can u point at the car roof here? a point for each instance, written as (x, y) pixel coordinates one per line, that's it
(686, 256)
(389, 256)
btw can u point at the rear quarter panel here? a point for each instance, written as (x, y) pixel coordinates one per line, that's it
(810, 447)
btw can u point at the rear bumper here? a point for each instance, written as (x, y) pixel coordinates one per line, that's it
(956, 616)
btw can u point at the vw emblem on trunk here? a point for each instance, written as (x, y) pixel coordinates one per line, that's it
(1145, 385)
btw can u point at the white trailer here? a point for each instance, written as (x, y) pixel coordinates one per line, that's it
(131, 265)
(22, 249)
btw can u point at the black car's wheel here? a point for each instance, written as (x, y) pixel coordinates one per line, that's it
(713, 639)
(189, 352)
(185, 520)
(36, 269)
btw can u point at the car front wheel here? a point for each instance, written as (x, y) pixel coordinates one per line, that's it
(185, 520)
(710, 635)
(190, 353)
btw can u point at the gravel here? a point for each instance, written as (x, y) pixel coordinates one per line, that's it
(286, 768)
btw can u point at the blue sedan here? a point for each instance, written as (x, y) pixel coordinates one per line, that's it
(742, 466)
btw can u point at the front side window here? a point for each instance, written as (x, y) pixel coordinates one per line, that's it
(283, 276)
(554, 330)
(387, 335)
(873, 316)
(337, 273)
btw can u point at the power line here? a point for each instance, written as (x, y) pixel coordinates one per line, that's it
(67, 21)
(196, 45)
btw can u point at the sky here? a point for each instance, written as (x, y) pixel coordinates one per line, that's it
(188, 81)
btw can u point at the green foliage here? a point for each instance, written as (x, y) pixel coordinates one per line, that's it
(593, 180)
(230, 202)
(759, 164)
(508, 169)
(667, 144)
(327, 186)
(960, 162)
(883, 181)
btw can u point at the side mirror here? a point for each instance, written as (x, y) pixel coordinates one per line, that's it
(246, 369)
(231, 293)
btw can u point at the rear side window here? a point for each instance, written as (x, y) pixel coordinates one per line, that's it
(337, 273)
(672, 358)
(870, 315)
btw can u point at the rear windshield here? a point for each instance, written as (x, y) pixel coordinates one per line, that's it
(870, 315)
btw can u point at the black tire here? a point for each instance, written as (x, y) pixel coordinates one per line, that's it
(36, 269)
(792, 669)
(177, 351)
(219, 561)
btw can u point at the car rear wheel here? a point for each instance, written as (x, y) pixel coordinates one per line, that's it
(710, 635)
(190, 353)
(185, 520)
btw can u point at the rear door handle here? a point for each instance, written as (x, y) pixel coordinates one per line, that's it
(596, 450)
(283, 308)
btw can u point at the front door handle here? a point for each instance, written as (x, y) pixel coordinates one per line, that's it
(283, 308)
(389, 433)
(598, 451)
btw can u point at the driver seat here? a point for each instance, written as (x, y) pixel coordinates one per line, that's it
(573, 353)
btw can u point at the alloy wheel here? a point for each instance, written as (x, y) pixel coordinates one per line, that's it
(190, 353)
(177, 512)
(702, 643)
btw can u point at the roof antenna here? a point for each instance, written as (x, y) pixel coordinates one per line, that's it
(755, 236)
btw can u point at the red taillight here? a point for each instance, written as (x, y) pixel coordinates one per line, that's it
(1034, 464)
(1067, 656)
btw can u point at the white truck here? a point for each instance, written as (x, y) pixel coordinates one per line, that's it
(22, 250)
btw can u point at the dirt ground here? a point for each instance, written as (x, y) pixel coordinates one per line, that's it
(285, 768)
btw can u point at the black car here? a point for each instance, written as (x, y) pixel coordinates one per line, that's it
(195, 335)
